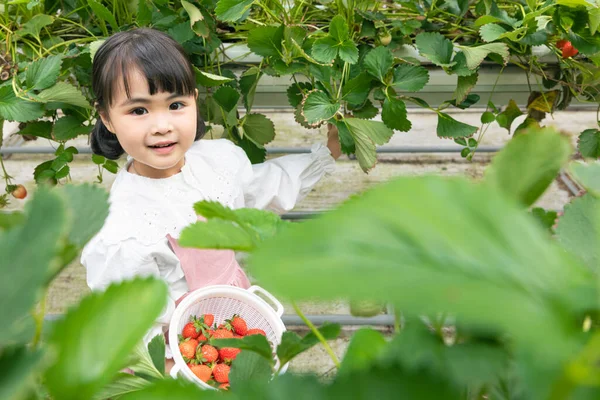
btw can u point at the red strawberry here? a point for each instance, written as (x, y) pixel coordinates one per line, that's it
(208, 319)
(189, 331)
(255, 331)
(568, 50)
(228, 354)
(221, 373)
(561, 43)
(209, 353)
(19, 192)
(188, 348)
(202, 338)
(237, 324)
(222, 334)
(203, 372)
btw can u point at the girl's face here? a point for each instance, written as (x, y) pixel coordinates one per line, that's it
(155, 130)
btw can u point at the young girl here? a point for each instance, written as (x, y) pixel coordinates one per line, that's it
(146, 98)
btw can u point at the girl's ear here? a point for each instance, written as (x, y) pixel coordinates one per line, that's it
(106, 121)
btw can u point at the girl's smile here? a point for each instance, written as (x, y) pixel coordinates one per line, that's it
(156, 129)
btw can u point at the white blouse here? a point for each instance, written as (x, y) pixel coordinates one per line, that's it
(143, 210)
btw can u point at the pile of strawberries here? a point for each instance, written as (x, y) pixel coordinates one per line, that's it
(211, 364)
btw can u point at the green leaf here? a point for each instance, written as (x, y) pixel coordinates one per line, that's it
(485, 261)
(35, 25)
(172, 389)
(394, 115)
(26, 271)
(149, 362)
(66, 93)
(318, 107)
(254, 343)
(587, 175)
(589, 143)
(197, 23)
(256, 154)
(209, 80)
(356, 90)
(338, 29)
(94, 46)
(578, 229)
(9, 220)
(366, 135)
(378, 62)
(69, 127)
(41, 129)
(594, 15)
(181, 32)
(546, 218)
(248, 83)
(102, 316)
(585, 43)
(266, 40)
(250, 366)
(144, 13)
(325, 49)
(292, 345)
(506, 117)
(464, 86)
(435, 47)
(348, 52)
(217, 234)
(87, 203)
(365, 347)
(43, 72)
(296, 92)
(13, 108)
(123, 384)
(232, 10)
(103, 13)
(410, 78)
(476, 54)
(491, 32)
(366, 111)
(448, 127)
(20, 366)
(529, 164)
(259, 128)
(227, 98)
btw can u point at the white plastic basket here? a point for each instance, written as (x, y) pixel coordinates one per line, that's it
(223, 301)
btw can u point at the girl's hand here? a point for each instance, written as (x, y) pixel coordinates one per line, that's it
(333, 141)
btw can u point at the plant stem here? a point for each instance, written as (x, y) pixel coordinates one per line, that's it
(317, 334)
(38, 317)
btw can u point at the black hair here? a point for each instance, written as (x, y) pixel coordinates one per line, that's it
(158, 57)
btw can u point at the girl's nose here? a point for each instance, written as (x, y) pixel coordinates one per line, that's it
(162, 125)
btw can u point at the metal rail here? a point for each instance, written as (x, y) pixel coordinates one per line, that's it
(291, 320)
(281, 150)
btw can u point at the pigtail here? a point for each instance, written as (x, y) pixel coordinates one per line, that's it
(200, 125)
(104, 143)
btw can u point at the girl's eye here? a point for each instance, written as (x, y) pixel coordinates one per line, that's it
(139, 111)
(176, 106)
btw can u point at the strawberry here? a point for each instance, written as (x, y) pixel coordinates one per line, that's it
(255, 331)
(222, 334)
(228, 354)
(208, 353)
(203, 372)
(202, 337)
(569, 51)
(221, 373)
(237, 324)
(561, 43)
(188, 348)
(207, 319)
(189, 331)
(19, 192)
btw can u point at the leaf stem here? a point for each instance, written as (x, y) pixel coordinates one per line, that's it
(317, 334)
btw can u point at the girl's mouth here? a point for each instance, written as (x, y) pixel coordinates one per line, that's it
(163, 148)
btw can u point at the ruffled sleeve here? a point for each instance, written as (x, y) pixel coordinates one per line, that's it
(110, 262)
(279, 184)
